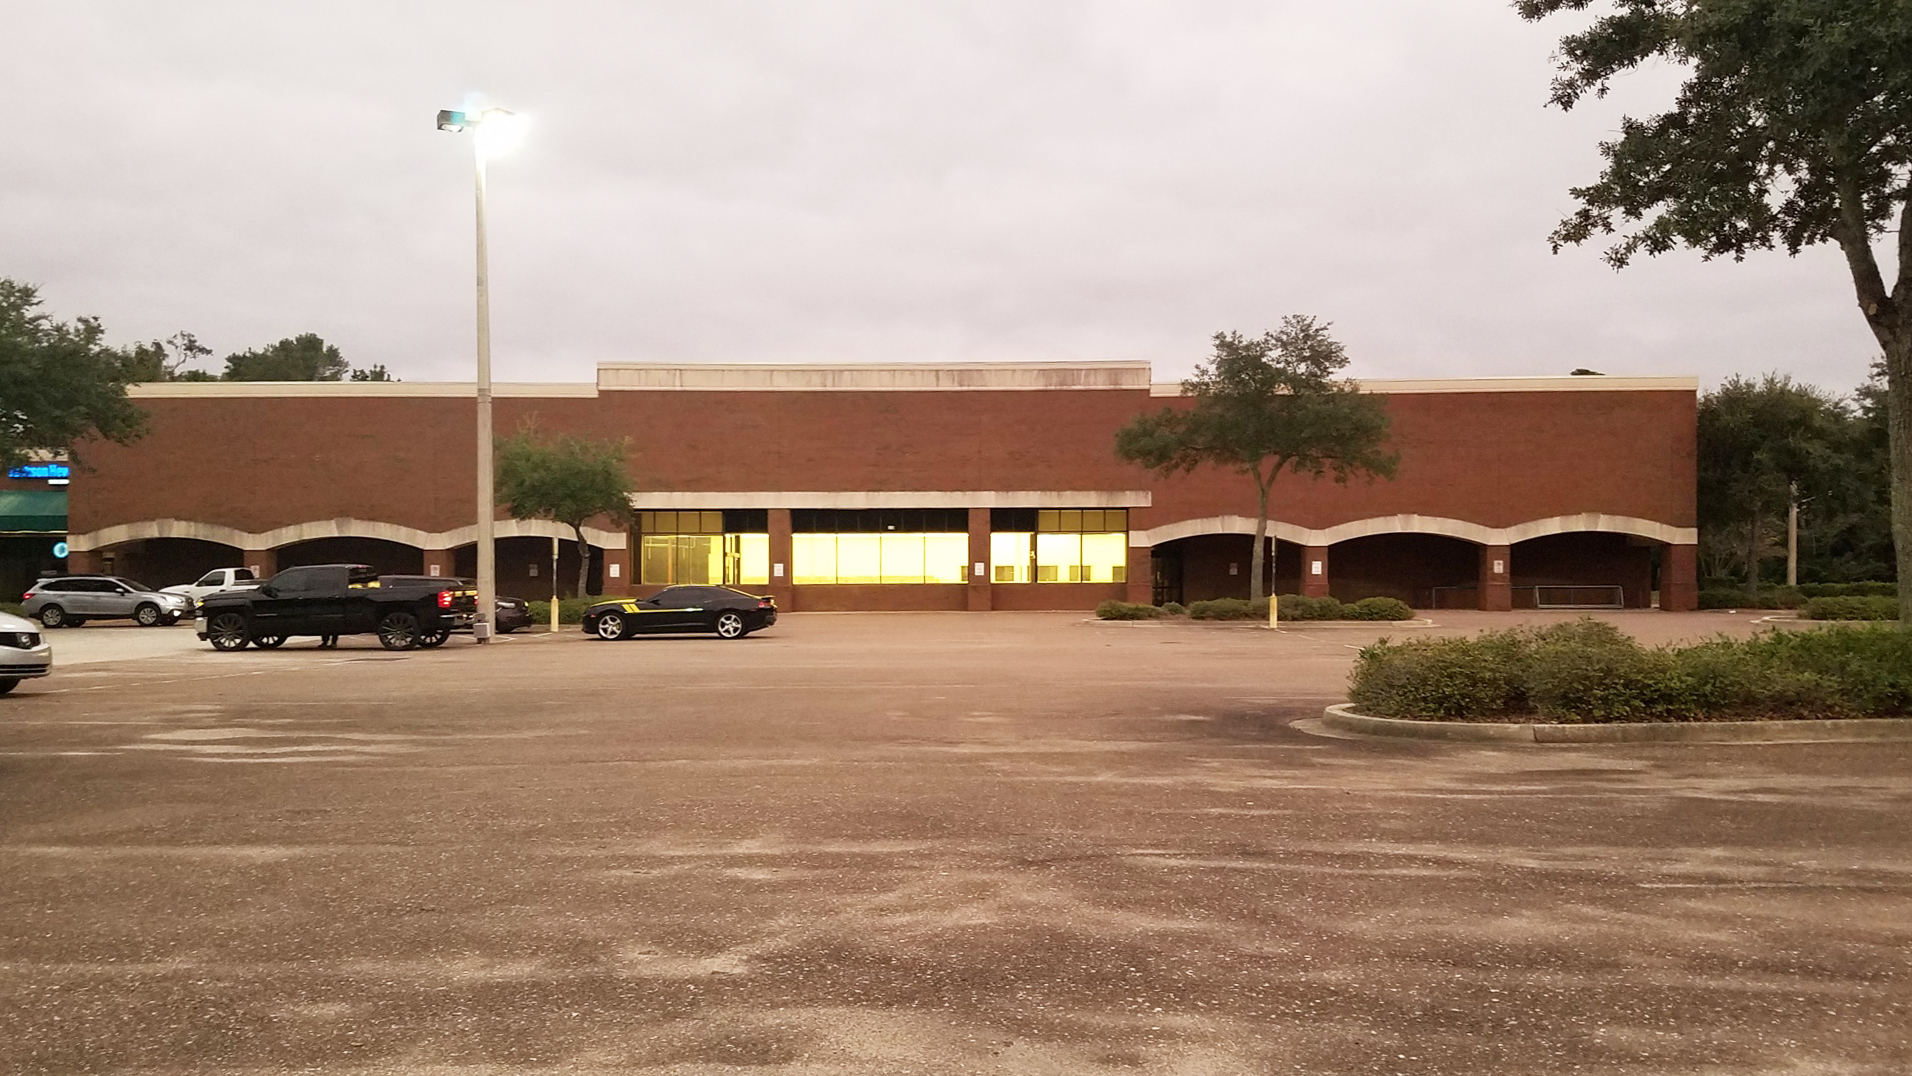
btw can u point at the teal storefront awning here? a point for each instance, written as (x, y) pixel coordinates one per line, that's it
(32, 511)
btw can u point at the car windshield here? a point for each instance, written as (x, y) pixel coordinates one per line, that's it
(135, 584)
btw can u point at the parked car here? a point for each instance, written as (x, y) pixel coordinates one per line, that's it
(24, 652)
(732, 614)
(329, 600)
(508, 614)
(214, 582)
(72, 600)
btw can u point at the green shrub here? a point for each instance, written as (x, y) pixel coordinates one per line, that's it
(1740, 598)
(1115, 610)
(1379, 609)
(1849, 590)
(12, 607)
(1302, 607)
(1222, 609)
(1588, 670)
(570, 610)
(1175, 609)
(1851, 608)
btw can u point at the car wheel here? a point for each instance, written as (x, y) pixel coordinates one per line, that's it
(434, 638)
(52, 616)
(8, 684)
(398, 630)
(730, 626)
(610, 626)
(269, 642)
(169, 620)
(227, 631)
(146, 615)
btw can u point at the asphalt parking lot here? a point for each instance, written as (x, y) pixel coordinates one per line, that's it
(912, 843)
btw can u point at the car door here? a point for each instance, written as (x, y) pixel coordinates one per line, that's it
(671, 609)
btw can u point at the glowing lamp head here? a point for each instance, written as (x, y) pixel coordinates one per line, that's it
(451, 121)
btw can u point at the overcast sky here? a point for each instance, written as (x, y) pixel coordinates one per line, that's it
(857, 182)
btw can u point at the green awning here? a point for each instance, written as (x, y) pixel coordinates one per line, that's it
(32, 511)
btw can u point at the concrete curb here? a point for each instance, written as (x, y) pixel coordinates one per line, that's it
(1342, 717)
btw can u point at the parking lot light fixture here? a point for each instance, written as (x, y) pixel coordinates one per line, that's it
(493, 130)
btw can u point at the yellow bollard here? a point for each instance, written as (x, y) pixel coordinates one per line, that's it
(1274, 613)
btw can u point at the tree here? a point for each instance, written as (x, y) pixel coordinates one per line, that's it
(168, 359)
(1793, 128)
(567, 480)
(58, 383)
(305, 357)
(374, 373)
(1764, 446)
(1263, 406)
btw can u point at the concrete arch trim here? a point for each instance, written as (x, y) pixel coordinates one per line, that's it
(344, 527)
(1418, 524)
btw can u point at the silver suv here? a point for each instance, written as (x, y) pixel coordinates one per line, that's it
(72, 600)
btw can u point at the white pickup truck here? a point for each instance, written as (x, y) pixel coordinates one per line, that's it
(217, 581)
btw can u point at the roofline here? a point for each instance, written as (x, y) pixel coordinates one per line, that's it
(860, 377)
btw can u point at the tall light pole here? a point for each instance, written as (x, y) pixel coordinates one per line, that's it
(493, 129)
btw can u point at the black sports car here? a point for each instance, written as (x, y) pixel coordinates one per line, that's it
(732, 614)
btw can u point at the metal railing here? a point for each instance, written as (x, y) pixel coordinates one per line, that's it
(1574, 597)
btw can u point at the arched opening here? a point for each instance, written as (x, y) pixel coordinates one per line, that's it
(165, 562)
(390, 558)
(1202, 567)
(1427, 571)
(1583, 570)
(524, 567)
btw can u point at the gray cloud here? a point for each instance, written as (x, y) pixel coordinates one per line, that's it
(857, 182)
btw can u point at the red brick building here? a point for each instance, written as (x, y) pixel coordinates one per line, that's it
(975, 486)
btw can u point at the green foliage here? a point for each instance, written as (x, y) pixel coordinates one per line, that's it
(13, 607)
(1791, 129)
(1265, 405)
(1301, 607)
(1849, 590)
(1117, 610)
(1378, 608)
(1741, 598)
(567, 480)
(59, 385)
(304, 357)
(1223, 609)
(372, 373)
(570, 611)
(1851, 608)
(167, 360)
(1589, 671)
(1175, 609)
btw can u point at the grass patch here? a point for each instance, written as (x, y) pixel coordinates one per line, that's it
(1588, 671)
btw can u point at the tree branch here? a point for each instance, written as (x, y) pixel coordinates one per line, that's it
(1855, 239)
(1902, 289)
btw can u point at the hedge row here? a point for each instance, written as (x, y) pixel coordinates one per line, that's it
(1850, 609)
(1736, 597)
(1293, 607)
(1589, 670)
(570, 610)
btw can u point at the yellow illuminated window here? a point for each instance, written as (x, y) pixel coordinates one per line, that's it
(859, 558)
(945, 558)
(1009, 556)
(747, 558)
(902, 558)
(812, 558)
(1105, 557)
(1059, 558)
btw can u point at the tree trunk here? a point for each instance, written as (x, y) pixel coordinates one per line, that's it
(584, 559)
(1898, 420)
(1752, 554)
(1261, 537)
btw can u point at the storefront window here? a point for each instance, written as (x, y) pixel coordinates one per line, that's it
(878, 558)
(702, 547)
(1065, 546)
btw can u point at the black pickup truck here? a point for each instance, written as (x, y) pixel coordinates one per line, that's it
(336, 599)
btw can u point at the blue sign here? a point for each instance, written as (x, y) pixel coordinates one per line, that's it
(59, 550)
(41, 470)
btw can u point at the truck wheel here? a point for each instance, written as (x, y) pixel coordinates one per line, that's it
(269, 642)
(730, 626)
(52, 616)
(227, 631)
(8, 684)
(398, 630)
(434, 638)
(147, 615)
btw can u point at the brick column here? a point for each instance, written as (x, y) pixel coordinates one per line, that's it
(1314, 571)
(437, 562)
(82, 562)
(1495, 592)
(977, 570)
(780, 587)
(1680, 579)
(617, 569)
(263, 562)
(1142, 574)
